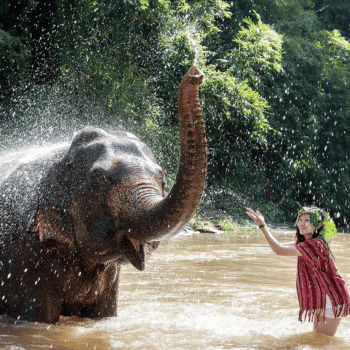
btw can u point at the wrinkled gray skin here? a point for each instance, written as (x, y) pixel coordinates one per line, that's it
(70, 220)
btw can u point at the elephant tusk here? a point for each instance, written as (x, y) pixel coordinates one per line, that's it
(134, 251)
(135, 243)
(138, 257)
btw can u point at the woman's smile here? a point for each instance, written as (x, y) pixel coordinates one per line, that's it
(305, 227)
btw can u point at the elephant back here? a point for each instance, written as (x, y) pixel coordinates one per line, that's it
(20, 175)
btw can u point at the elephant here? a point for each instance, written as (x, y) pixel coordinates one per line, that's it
(71, 219)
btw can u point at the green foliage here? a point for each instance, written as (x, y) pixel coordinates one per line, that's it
(13, 64)
(334, 14)
(310, 95)
(275, 96)
(236, 126)
(258, 54)
(13, 54)
(273, 11)
(206, 11)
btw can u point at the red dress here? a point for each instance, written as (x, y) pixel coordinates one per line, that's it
(318, 277)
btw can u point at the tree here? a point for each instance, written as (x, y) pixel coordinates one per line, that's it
(334, 14)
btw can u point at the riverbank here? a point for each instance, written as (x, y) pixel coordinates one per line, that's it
(210, 219)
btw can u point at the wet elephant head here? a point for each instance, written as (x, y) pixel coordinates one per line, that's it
(69, 220)
(106, 197)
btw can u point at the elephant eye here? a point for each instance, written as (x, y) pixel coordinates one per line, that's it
(98, 181)
(97, 184)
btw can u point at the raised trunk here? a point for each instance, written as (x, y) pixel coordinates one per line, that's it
(171, 214)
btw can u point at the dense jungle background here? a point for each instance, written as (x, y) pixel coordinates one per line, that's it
(276, 97)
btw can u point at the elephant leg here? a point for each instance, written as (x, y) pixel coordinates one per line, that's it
(52, 309)
(29, 296)
(43, 307)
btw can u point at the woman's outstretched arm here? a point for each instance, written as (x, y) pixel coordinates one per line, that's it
(278, 248)
(288, 244)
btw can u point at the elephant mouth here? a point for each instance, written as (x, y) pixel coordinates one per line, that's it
(104, 233)
(134, 251)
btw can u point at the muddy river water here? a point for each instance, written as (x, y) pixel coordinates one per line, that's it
(198, 291)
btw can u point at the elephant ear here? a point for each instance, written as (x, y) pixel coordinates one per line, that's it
(49, 225)
(50, 219)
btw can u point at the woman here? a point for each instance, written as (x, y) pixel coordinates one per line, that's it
(322, 292)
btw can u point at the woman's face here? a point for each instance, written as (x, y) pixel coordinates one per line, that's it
(305, 227)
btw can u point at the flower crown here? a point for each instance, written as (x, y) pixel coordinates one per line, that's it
(329, 230)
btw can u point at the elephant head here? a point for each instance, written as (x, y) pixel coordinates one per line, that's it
(106, 197)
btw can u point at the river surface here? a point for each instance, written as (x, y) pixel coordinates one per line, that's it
(198, 291)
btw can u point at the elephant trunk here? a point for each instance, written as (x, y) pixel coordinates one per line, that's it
(170, 214)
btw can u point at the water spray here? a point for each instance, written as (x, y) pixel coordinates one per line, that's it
(196, 53)
(189, 35)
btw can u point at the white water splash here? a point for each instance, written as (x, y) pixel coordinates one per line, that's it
(11, 160)
(196, 53)
(40, 152)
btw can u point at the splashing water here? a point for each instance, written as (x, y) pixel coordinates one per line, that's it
(10, 161)
(29, 155)
(190, 33)
(196, 53)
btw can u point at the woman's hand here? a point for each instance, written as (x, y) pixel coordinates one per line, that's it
(256, 216)
(278, 248)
